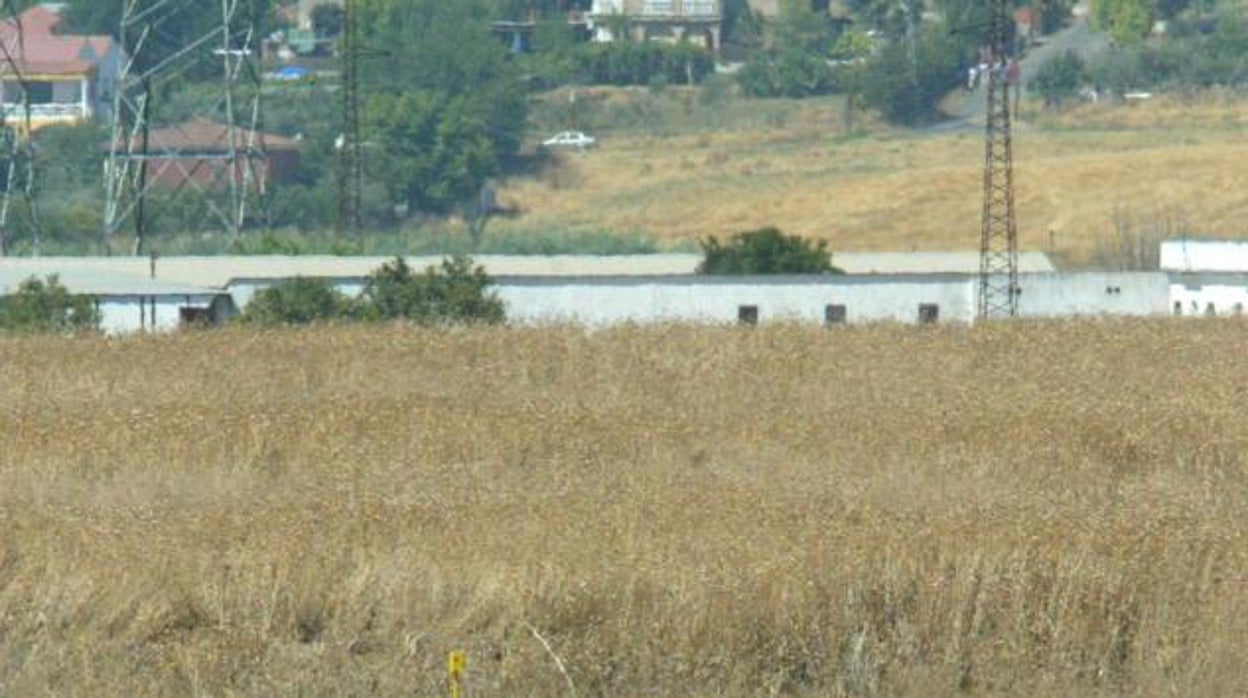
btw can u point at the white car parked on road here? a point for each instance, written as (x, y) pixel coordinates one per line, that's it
(570, 139)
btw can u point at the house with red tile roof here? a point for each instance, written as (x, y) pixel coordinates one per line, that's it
(208, 155)
(50, 77)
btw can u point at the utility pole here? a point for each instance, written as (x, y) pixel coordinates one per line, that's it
(998, 251)
(350, 162)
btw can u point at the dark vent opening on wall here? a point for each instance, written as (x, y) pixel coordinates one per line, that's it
(834, 314)
(929, 313)
(747, 314)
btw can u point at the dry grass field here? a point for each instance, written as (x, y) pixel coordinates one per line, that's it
(1025, 510)
(1172, 161)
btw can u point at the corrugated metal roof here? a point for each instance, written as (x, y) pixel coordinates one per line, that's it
(99, 282)
(216, 272)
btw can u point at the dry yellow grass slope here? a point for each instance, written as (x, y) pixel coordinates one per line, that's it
(1076, 173)
(1028, 510)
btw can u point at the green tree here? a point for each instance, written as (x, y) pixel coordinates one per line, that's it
(328, 20)
(456, 292)
(444, 106)
(1058, 78)
(1127, 21)
(906, 94)
(789, 73)
(47, 306)
(853, 50)
(765, 251)
(298, 301)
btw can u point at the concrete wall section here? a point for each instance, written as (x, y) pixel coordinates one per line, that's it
(1208, 294)
(1093, 293)
(601, 301)
(126, 314)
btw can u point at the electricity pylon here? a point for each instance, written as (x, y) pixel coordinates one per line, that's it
(225, 180)
(998, 251)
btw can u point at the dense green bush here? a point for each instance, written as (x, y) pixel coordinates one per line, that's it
(1058, 78)
(298, 301)
(766, 251)
(47, 306)
(629, 63)
(1196, 54)
(454, 293)
(788, 73)
(906, 94)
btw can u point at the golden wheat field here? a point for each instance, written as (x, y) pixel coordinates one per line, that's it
(1040, 509)
(1174, 162)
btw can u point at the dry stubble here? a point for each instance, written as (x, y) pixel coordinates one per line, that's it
(1042, 509)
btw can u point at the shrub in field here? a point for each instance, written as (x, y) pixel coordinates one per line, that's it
(1058, 78)
(455, 292)
(766, 251)
(299, 301)
(47, 306)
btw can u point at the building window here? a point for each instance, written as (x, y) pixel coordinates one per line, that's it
(929, 313)
(747, 314)
(658, 7)
(834, 314)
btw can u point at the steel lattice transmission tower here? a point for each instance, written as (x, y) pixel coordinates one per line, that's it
(147, 153)
(998, 258)
(350, 162)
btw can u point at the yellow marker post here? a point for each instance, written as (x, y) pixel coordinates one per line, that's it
(456, 663)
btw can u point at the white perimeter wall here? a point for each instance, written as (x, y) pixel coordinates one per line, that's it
(1209, 296)
(604, 302)
(120, 315)
(1094, 293)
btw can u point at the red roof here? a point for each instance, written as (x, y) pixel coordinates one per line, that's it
(1027, 15)
(200, 135)
(39, 50)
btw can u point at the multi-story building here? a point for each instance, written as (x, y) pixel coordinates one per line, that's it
(697, 21)
(53, 78)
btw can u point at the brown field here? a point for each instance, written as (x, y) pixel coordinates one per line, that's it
(1026, 510)
(1171, 162)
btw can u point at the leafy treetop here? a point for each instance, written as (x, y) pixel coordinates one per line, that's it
(766, 251)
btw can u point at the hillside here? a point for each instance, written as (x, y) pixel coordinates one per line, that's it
(1015, 510)
(716, 170)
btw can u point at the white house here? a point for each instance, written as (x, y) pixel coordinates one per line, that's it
(1207, 277)
(49, 77)
(697, 21)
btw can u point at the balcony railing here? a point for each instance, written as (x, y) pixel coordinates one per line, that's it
(679, 8)
(67, 111)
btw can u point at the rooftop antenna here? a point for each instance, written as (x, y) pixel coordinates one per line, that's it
(998, 247)
(228, 178)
